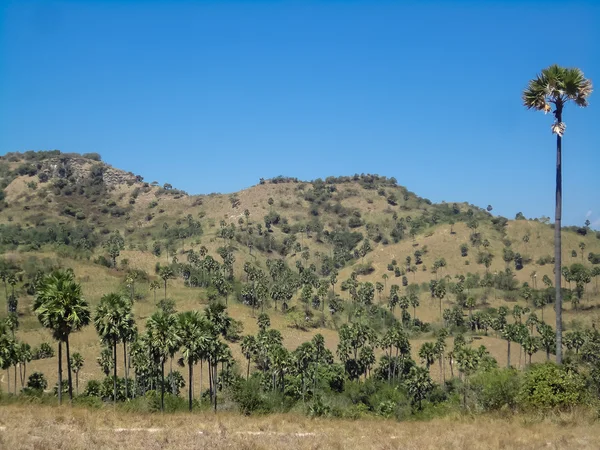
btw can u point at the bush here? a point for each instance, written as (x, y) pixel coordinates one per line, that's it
(548, 386)
(250, 397)
(44, 351)
(37, 381)
(496, 389)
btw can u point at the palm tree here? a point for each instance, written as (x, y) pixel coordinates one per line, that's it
(108, 322)
(427, 353)
(76, 364)
(248, 350)
(60, 307)
(192, 328)
(154, 285)
(557, 86)
(25, 356)
(162, 334)
(166, 273)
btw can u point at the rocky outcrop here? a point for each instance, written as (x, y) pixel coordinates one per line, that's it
(80, 169)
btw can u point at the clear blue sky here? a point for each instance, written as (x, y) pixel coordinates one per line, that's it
(210, 96)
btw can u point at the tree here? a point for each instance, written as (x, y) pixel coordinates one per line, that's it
(113, 245)
(112, 320)
(154, 286)
(557, 86)
(60, 307)
(418, 384)
(76, 364)
(163, 334)
(166, 273)
(194, 333)
(248, 350)
(427, 353)
(582, 248)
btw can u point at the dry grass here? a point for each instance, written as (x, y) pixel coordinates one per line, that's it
(46, 427)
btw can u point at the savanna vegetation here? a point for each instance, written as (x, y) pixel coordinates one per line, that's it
(349, 297)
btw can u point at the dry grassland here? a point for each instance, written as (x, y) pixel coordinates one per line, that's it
(45, 427)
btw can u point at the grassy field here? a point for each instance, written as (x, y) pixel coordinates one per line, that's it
(45, 427)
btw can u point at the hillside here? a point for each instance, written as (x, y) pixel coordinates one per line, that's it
(343, 241)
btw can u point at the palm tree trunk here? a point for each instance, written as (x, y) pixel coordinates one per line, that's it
(8, 379)
(215, 381)
(77, 383)
(162, 384)
(201, 371)
(190, 378)
(248, 370)
(115, 371)
(508, 354)
(125, 367)
(69, 375)
(557, 239)
(59, 372)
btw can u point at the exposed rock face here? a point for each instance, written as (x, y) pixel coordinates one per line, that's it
(82, 168)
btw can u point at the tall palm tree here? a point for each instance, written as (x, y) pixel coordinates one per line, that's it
(557, 86)
(60, 307)
(113, 320)
(162, 334)
(193, 332)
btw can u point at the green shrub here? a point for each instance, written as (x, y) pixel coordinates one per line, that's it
(547, 386)
(37, 381)
(250, 397)
(496, 389)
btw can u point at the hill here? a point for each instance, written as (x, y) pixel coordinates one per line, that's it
(313, 254)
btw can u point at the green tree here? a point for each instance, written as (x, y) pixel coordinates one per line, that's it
(557, 86)
(163, 334)
(427, 353)
(113, 245)
(419, 384)
(60, 307)
(112, 318)
(166, 273)
(76, 364)
(194, 334)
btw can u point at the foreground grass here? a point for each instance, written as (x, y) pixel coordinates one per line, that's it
(40, 426)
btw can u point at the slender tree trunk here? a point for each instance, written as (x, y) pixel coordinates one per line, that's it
(15, 382)
(210, 380)
(557, 239)
(8, 379)
(201, 372)
(248, 370)
(69, 375)
(190, 374)
(59, 372)
(162, 385)
(215, 381)
(77, 383)
(125, 368)
(115, 371)
(165, 289)
(508, 354)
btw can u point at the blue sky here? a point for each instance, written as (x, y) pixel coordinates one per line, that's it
(211, 96)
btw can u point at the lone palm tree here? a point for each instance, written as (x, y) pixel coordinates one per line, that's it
(557, 86)
(60, 307)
